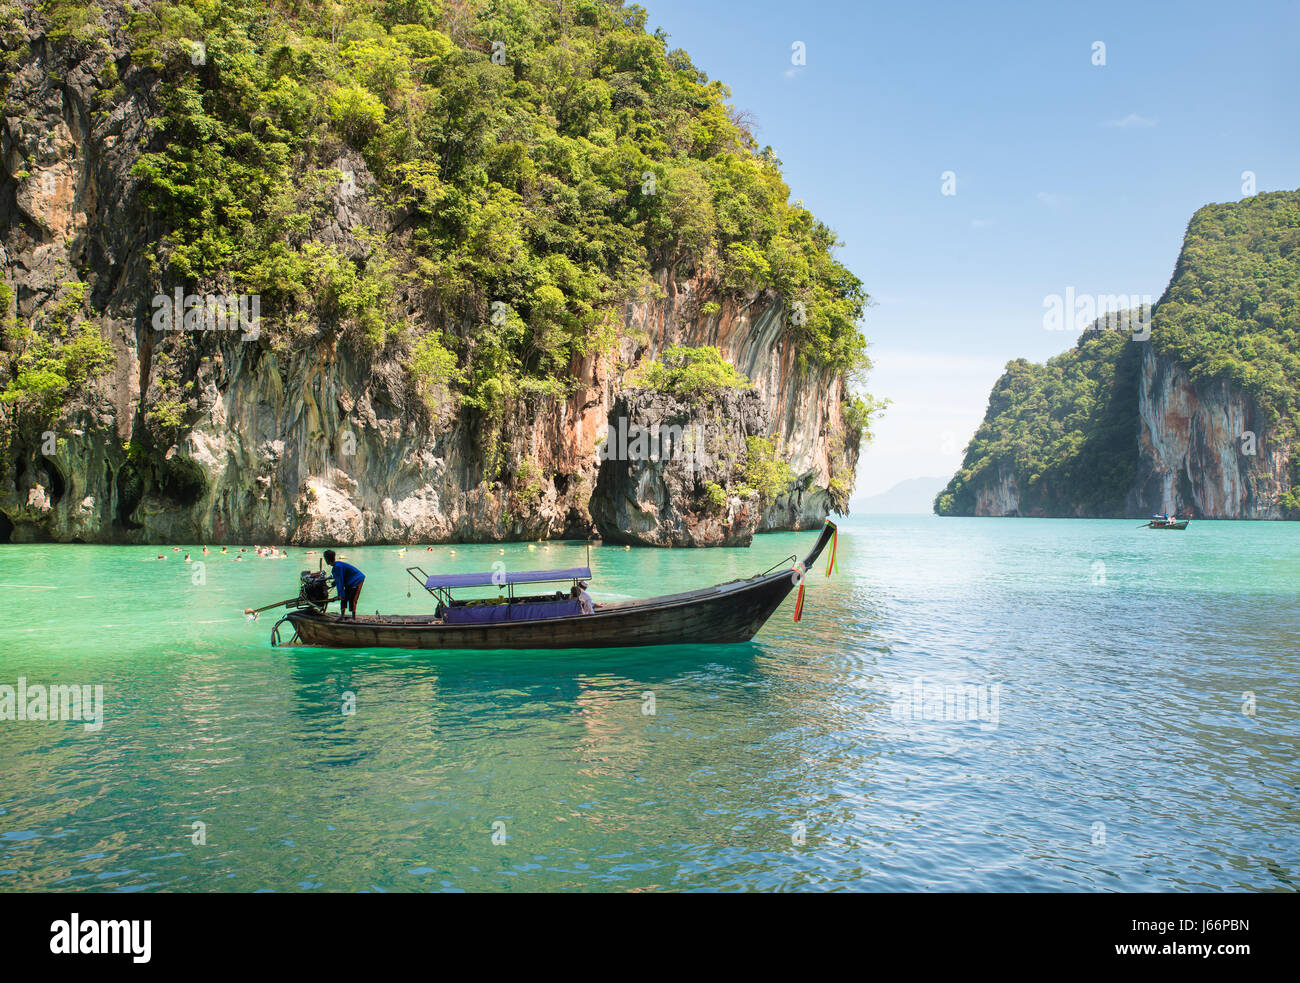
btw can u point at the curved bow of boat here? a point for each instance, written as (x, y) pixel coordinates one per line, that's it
(828, 532)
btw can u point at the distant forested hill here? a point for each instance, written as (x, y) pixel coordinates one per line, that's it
(1063, 435)
(1200, 419)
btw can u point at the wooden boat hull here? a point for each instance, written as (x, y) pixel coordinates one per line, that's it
(1180, 524)
(725, 614)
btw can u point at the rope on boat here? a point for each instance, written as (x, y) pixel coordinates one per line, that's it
(798, 574)
(778, 563)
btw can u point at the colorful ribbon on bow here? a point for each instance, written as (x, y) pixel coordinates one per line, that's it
(830, 560)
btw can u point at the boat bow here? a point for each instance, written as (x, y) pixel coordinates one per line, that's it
(828, 533)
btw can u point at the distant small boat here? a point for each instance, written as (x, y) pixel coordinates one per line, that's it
(1160, 522)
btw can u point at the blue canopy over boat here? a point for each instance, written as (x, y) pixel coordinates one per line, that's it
(486, 579)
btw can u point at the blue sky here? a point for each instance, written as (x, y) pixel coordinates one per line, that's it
(1068, 174)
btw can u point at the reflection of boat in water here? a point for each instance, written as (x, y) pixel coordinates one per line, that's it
(1166, 522)
(726, 613)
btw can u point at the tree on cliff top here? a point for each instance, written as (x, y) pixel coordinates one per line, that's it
(1232, 309)
(542, 157)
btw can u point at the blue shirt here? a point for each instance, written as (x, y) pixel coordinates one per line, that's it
(346, 576)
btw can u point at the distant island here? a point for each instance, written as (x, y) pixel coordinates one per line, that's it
(1195, 414)
(913, 496)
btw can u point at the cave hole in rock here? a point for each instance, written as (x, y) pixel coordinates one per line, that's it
(184, 482)
(6, 528)
(58, 485)
(130, 489)
(383, 407)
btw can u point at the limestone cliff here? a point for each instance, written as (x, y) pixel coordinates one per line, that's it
(1059, 439)
(1195, 416)
(670, 472)
(1000, 496)
(304, 437)
(1204, 449)
(803, 405)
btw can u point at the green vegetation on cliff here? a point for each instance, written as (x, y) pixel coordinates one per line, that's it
(1065, 431)
(765, 471)
(1232, 310)
(51, 359)
(543, 157)
(690, 373)
(476, 188)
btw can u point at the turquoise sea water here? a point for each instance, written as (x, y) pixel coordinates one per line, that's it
(1133, 724)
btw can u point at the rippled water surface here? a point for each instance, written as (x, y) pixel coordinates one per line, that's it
(1131, 724)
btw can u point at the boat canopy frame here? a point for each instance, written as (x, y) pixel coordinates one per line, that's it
(442, 586)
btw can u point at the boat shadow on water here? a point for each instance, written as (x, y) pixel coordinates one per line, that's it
(504, 685)
(649, 664)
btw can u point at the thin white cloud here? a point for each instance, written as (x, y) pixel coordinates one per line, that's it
(980, 223)
(1048, 199)
(1132, 119)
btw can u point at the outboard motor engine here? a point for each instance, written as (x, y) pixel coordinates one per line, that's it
(314, 588)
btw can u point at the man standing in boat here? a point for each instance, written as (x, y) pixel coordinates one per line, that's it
(347, 584)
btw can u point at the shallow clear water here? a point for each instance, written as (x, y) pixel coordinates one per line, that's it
(1107, 746)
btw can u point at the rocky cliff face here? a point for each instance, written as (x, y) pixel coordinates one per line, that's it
(803, 406)
(311, 442)
(1000, 497)
(670, 473)
(1205, 450)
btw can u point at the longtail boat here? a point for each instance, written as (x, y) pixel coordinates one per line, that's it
(1160, 522)
(726, 613)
